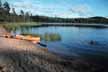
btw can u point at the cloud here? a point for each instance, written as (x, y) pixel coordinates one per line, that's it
(22, 5)
(59, 10)
(27, 6)
(82, 10)
(34, 7)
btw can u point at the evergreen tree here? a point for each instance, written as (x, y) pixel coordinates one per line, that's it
(0, 3)
(13, 11)
(22, 15)
(6, 6)
(14, 15)
(27, 16)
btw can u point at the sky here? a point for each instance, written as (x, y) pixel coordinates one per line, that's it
(62, 8)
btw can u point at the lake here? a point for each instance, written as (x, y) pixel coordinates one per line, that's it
(72, 41)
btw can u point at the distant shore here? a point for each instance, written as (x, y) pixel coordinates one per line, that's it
(43, 24)
(75, 24)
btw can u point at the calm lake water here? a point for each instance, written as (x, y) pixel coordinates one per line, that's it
(74, 41)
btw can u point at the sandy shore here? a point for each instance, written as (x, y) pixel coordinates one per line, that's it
(23, 56)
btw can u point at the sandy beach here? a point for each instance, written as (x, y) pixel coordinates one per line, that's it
(24, 56)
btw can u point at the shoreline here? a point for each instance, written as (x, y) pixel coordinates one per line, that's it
(76, 24)
(23, 56)
(17, 53)
(42, 24)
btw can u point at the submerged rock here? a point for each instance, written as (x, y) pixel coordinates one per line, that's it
(93, 42)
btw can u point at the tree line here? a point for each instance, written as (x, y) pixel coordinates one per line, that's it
(6, 16)
(96, 19)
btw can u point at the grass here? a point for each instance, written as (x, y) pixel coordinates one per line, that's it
(20, 24)
(35, 35)
(45, 37)
(52, 37)
(13, 26)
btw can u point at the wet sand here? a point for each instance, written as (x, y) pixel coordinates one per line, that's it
(23, 56)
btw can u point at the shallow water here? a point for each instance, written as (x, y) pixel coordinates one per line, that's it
(74, 41)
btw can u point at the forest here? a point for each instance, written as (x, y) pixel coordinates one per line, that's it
(7, 16)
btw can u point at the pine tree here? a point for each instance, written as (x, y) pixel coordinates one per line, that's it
(0, 3)
(27, 16)
(22, 15)
(6, 6)
(13, 11)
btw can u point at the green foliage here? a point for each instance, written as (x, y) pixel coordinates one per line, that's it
(51, 37)
(10, 28)
(34, 35)
(22, 12)
(15, 26)
(45, 37)
(5, 16)
(25, 31)
(6, 6)
(0, 3)
(69, 20)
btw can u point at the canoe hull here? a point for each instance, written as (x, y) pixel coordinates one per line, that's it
(29, 38)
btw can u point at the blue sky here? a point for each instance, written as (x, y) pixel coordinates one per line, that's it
(62, 8)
